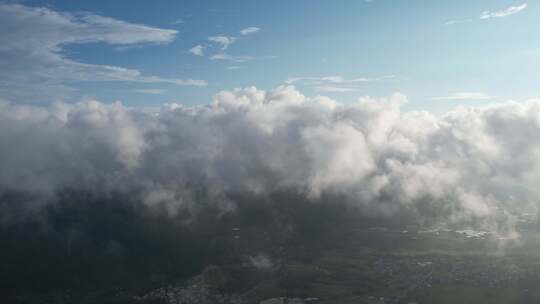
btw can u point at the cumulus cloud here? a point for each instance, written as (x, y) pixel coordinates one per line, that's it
(197, 50)
(33, 60)
(472, 165)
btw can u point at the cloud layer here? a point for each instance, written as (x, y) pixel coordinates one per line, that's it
(476, 165)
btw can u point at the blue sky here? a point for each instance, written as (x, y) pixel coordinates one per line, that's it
(438, 53)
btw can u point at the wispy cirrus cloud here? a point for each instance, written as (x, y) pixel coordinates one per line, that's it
(335, 79)
(231, 58)
(223, 41)
(149, 91)
(335, 89)
(34, 63)
(503, 13)
(512, 10)
(466, 96)
(452, 22)
(336, 84)
(249, 30)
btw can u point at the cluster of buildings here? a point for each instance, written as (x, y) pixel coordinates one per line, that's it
(409, 274)
(193, 294)
(284, 300)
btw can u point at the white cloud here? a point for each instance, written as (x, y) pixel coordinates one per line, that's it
(197, 50)
(180, 82)
(249, 30)
(470, 165)
(227, 57)
(503, 13)
(492, 14)
(466, 96)
(150, 91)
(233, 67)
(223, 41)
(336, 79)
(336, 84)
(452, 22)
(331, 89)
(34, 62)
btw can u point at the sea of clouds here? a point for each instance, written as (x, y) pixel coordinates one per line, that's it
(471, 165)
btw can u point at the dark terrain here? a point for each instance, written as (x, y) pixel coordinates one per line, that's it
(279, 249)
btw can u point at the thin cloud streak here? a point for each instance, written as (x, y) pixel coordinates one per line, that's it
(227, 57)
(149, 91)
(336, 84)
(331, 89)
(492, 14)
(503, 13)
(249, 30)
(466, 96)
